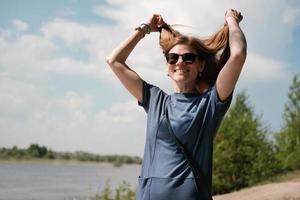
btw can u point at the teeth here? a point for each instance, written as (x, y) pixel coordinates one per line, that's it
(181, 70)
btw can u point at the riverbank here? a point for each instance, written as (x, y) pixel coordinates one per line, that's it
(286, 187)
(282, 187)
(275, 191)
(61, 162)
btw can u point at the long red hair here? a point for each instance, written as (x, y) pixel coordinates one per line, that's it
(213, 50)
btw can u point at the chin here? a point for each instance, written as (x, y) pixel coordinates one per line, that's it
(182, 76)
(183, 79)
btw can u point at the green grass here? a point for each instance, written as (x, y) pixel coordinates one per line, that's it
(122, 192)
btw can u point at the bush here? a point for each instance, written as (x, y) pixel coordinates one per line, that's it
(242, 154)
(122, 192)
(288, 139)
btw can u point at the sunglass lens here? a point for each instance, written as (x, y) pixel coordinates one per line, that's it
(172, 58)
(189, 58)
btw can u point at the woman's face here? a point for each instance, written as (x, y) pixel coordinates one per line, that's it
(180, 71)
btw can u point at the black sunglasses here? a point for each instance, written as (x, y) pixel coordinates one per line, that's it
(187, 58)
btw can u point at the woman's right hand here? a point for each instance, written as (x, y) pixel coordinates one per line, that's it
(155, 22)
(233, 15)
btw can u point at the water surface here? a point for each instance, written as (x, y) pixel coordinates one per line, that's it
(50, 181)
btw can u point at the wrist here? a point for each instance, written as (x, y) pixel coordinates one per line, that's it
(144, 29)
(231, 21)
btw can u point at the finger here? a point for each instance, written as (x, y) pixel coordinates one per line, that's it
(161, 21)
(241, 17)
(154, 16)
(230, 11)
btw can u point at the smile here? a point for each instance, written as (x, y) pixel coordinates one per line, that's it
(181, 70)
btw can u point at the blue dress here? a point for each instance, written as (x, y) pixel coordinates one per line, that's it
(194, 118)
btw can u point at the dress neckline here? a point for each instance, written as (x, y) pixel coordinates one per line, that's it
(186, 94)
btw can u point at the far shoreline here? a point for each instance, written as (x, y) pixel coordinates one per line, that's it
(62, 162)
(36, 153)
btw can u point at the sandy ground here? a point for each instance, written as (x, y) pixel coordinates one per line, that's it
(274, 191)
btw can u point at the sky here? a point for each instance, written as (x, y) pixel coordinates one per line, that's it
(57, 90)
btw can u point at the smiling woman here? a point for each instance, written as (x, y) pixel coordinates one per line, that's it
(208, 64)
(177, 162)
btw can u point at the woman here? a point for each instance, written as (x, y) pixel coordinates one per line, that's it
(177, 162)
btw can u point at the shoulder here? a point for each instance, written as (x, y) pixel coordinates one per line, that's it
(151, 95)
(220, 106)
(152, 89)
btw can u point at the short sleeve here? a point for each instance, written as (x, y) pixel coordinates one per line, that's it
(146, 90)
(221, 107)
(151, 95)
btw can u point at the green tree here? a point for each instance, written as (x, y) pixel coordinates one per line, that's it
(288, 139)
(36, 151)
(50, 154)
(242, 154)
(15, 152)
(3, 153)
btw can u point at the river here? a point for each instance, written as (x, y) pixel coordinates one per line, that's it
(60, 181)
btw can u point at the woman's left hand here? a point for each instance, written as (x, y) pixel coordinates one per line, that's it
(233, 15)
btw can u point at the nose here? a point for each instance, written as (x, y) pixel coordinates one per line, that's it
(180, 60)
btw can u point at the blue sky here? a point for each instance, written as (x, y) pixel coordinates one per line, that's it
(56, 89)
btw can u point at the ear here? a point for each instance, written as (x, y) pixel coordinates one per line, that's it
(202, 65)
(167, 69)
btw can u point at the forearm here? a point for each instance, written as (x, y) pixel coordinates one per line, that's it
(229, 74)
(121, 53)
(237, 40)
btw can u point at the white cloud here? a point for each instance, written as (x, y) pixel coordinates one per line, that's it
(95, 40)
(205, 17)
(26, 55)
(122, 128)
(4, 33)
(20, 25)
(39, 56)
(291, 16)
(74, 101)
(132, 14)
(69, 66)
(68, 122)
(91, 38)
(17, 98)
(121, 113)
(72, 33)
(42, 54)
(262, 69)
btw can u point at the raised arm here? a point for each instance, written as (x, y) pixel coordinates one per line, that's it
(117, 59)
(229, 74)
